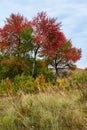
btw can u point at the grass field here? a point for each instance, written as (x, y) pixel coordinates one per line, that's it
(52, 110)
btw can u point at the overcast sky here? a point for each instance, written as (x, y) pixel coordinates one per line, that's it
(71, 13)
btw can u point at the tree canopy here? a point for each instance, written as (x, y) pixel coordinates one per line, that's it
(40, 37)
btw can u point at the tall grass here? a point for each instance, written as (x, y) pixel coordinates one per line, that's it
(44, 111)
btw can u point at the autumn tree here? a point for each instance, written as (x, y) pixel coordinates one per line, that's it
(64, 57)
(45, 34)
(51, 42)
(42, 36)
(15, 35)
(16, 40)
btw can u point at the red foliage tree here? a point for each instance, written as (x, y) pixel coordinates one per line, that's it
(48, 40)
(46, 35)
(64, 57)
(10, 34)
(51, 42)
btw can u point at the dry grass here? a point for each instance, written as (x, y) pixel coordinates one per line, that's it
(44, 111)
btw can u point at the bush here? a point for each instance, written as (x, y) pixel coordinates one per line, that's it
(25, 84)
(6, 86)
(48, 74)
(79, 77)
(41, 68)
(10, 67)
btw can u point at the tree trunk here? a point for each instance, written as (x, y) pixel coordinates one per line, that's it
(33, 66)
(56, 75)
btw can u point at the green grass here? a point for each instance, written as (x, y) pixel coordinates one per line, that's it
(44, 111)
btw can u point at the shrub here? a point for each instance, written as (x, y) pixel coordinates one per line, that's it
(40, 83)
(80, 77)
(48, 74)
(10, 67)
(6, 86)
(24, 83)
(61, 83)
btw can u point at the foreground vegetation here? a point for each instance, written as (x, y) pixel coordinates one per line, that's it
(35, 104)
(33, 97)
(60, 110)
